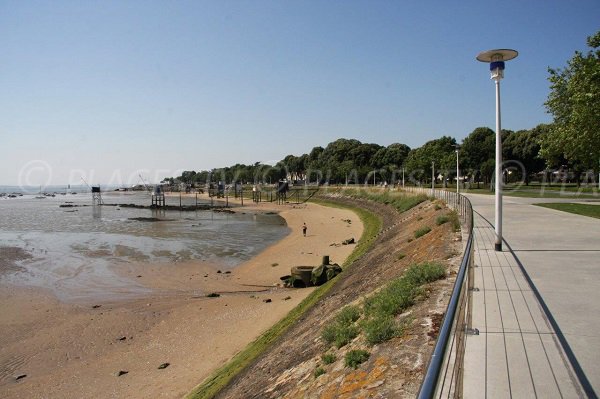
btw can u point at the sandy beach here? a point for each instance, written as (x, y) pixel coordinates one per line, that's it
(76, 350)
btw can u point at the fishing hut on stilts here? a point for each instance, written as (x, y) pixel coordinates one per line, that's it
(96, 196)
(158, 197)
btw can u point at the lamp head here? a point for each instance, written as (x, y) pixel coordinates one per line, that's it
(496, 59)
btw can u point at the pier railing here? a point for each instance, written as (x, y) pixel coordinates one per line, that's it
(444, 373)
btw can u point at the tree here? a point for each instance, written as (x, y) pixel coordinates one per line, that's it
(477, 153)
(523, 146)
(441, 151)
(574, 101)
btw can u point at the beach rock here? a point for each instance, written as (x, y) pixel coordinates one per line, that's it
(164, 366)
(20, 377)
(213, 295)
(123, 338)
(287, 298)
(227, 272)
(218, 271)
(122, 372)
(139, 275)
(348, 241)
(96, 306)
(268, 300)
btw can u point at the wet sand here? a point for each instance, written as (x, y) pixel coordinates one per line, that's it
(69, 350)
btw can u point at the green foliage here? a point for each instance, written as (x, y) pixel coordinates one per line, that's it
(341, 330)
(442, 151)
(380, 329)
(319, 371)
(355, 358)
(399, 200)
(455, 220)
(402, 293)
(348, 315)
(328, 358)
(424, 273)
(574, 101)
(344, 335)
(437, 207)
(578, 209)
(401, 255)
(422, 231)
(440, 220)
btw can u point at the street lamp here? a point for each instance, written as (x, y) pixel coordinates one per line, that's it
(432, 178)
(457, 170)
(496, 59)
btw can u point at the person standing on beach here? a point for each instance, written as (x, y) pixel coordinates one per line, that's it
(304, 229)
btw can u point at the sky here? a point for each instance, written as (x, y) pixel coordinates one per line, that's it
(111, 90)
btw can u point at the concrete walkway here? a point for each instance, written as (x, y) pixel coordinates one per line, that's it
(554, 271)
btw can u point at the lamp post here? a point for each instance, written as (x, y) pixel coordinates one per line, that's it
(432, 178)
(457, 171)
(496, 59)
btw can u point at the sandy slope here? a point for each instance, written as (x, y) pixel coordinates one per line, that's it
(74, 350)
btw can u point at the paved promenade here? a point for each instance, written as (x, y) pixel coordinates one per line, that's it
(519, 352)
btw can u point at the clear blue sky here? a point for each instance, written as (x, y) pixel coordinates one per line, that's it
(104, 89)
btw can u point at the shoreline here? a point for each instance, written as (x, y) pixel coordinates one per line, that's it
(73, 350)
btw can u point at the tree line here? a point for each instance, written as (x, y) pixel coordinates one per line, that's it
(570, 143)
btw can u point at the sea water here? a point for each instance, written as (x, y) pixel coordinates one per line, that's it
(74, 250)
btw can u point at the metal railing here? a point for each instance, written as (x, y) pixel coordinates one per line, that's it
(444, 373)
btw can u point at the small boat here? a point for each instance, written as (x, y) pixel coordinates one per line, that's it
(40, 195)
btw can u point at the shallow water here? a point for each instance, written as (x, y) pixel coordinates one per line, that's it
(72, 248)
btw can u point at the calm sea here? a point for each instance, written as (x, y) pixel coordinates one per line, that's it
(71, 249)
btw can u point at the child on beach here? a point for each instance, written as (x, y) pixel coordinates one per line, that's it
(304, 229)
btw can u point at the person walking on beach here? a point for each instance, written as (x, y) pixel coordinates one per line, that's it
(304, 229)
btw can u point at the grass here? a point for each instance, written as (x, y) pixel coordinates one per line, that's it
(221, 377)
(578, 209)
(440, 220)
(399, 200)
(380, 329)
(402, 293)
(319, 371)
(455, 220)
(401, 256)
(422, 231)
(355, 358)
(342, 330)
(379, 310)
(537, 191)
(328, 358)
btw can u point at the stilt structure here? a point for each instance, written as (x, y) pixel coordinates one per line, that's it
(158, 197)
(96, 196)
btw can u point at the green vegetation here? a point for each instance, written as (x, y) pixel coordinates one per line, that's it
(355, 358)
(579, 209)
(455, 220)
(319, 371)
(349, 315)
(573, 100)
(402, 293)
(380, 329)
(380, 309)
(422, 231)
(213, 384)
(399, 200)
(342, 330)
(440, 220)
(401, 255)
(328, 358)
